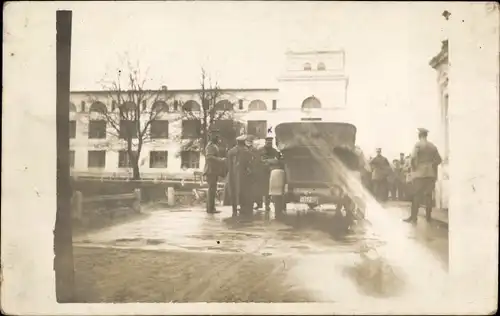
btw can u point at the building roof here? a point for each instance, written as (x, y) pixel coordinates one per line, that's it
(182, 90)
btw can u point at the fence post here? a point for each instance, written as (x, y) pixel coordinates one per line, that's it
(171, 196)
(77, 205)
(137, 200)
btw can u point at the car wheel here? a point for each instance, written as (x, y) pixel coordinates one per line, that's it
(360, 207)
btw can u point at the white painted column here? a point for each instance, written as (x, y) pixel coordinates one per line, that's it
(474, 156)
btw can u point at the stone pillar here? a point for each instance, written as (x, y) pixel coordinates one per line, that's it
(137, 200)
(171, 196)
(77, 205)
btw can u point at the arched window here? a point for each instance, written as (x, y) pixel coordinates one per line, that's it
(160, 106)
(191, 106)
(311, 103)
(223, 105)
(257, 105)
(98, 107)
(97, 123)
(72, 107)
(128, 106)
(321, 66)
(307, 66)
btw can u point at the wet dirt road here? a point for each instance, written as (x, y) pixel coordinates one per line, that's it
(384, 258)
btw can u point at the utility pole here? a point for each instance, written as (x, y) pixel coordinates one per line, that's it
(63, 239)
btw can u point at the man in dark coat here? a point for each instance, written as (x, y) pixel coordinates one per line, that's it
(425, 160)
(214, 168)
(403, 188)
(398, 181)
(239, 161)
(269, 156)
(256, 173)
(380, 171)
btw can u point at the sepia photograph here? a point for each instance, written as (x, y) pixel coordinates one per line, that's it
(261, 152)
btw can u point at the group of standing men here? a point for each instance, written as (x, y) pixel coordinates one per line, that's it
(409, 178)
(246, 170)
(390, 179)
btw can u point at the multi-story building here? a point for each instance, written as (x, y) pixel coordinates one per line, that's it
(312, 84)
(441, 65)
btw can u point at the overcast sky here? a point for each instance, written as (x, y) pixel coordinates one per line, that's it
(242, 44)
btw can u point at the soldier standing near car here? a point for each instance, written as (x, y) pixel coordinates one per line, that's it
(408, 180)
(239, 161)
(425, 160)
(214, 168)
(392, 180)
(402, 194)
(270, 156)
(256, 173)
(380, 171)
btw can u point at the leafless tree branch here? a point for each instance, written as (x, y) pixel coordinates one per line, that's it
(134, 103)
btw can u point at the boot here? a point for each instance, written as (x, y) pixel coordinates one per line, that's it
(410, 220)
(414, 213)
(428, 213)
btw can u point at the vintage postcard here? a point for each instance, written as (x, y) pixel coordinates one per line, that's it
(260, 157)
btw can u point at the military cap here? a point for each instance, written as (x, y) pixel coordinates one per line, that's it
(378, 149)
(241, 138)
(269, 138)
(423, 130)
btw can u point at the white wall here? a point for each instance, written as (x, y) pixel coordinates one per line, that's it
(81, 144)
(330, 92)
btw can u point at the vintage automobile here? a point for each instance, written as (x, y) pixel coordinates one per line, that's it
(319, 160)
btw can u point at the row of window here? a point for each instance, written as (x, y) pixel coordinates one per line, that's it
(321, 66)
(159, 129)
(157, 159)
(189, 106)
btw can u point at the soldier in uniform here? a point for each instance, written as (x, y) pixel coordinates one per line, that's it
(239, 164)
(269, 155)
(256, 173)
(425, 160)
(408, 180)
(214, 168)
(380, 171)
(391, 181)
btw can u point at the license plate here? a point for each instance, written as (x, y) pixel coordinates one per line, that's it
(309, 199)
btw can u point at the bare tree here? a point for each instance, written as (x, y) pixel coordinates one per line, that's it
(133, 110)
(214, 112)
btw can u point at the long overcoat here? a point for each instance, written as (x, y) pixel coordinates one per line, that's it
(239, 161)
(257, 174)
(381, 168)
(425, 160)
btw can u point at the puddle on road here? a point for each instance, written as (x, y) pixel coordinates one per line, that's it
(335, 269)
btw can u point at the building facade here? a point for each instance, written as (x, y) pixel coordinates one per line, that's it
(441, 65)
(313, 84)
